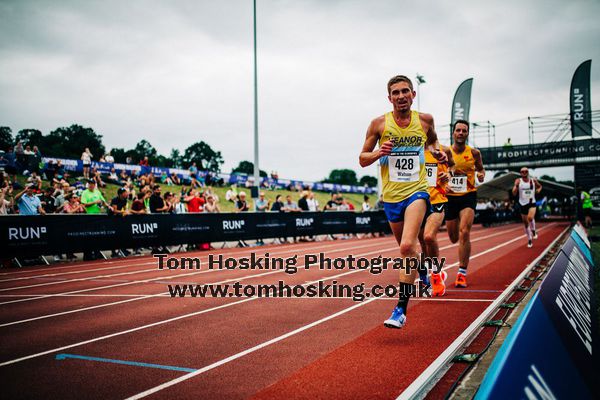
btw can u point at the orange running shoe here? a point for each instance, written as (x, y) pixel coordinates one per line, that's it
(438, 283)
(461, 281)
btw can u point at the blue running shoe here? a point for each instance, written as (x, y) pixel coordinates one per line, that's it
(397, 319)
(424, 277)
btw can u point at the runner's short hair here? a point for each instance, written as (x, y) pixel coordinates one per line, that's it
(461, 121)
(399, 78)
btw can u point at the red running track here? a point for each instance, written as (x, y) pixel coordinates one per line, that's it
(237, 347)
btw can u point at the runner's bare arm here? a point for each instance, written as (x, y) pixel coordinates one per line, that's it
(478, 165)
(515, 188)
(368, 156)
(538, 186)
(432, 140)
(448, 152)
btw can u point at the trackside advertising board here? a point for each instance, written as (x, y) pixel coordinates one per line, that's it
(549, 352)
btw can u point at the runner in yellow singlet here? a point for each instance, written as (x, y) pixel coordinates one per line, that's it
(402, 135)
(462, 197)
(437, 182)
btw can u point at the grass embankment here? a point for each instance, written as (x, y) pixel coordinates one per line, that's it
(356, 199)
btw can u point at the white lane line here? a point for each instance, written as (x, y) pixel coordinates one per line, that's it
(260, 346)
(143, 297)
(157, 323)
(124, 261)
(146, 262)
(100, 277)
(247, 351)
(144, 281)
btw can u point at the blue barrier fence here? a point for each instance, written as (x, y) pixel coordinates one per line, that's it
(548, 353)
(239, 179)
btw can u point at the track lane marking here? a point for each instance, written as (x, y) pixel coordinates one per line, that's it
(251, 276)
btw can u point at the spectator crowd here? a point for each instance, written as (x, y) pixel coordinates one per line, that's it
(48, 188)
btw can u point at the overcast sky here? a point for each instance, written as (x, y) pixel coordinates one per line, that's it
(177, 72)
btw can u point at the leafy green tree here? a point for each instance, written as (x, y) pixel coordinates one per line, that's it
(368, 180)
(31, 137)
(144, 149)
(69, 142)
(118, 154)
(175, 159)
(6, 139)
(246, 167)
(342, 177)
(204, 156)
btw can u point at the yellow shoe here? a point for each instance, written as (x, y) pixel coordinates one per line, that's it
(461, 281)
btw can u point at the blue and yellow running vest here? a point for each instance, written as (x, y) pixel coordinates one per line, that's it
(403, 171)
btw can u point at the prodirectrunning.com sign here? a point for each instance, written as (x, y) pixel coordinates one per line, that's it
(555, 153)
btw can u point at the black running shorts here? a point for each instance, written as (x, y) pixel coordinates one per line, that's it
(458, 203)
(524, 209)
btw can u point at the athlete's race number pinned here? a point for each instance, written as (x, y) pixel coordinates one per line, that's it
(432, 171)
(404, 166)
(458, 183)
(528, 194)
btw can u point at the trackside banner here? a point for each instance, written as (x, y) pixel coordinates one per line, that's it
(24, 236)
(581, 151)
(549, 353)
(581, 101)
(461, 104)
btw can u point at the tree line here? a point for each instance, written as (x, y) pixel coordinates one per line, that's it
(69, 142)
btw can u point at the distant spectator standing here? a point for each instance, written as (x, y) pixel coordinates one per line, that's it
(138, 206)
(231, 194)
(179, 205)
(118, 207)
(303, 201)
(92, 199)
(19, 149)
(195, 202)
(313, 204)
(211, 205)
(342, 204)
(118, 204)
(72, 205)
(262, 204)
(193, 169)
(145, 162)
(113, 177)
(47, 199)
(379, 204)
(5, 204)
(332, 204)
(278, 204)
(11, 163)
(86, 158)
(348, 204)
(109, 158)
(366, 206)
(156, 202)
(241, 205)
(28, 202)
(35, 180)
(289, 205)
